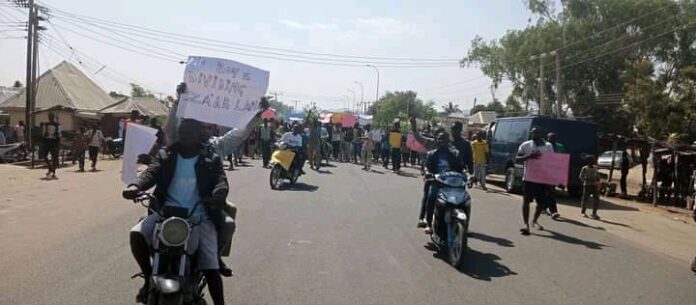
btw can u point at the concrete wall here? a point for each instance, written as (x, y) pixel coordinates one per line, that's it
(65, 118)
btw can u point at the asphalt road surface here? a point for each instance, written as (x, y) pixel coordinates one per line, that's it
(343, 236)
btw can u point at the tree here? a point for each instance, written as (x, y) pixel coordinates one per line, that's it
(139, 91)
(512, 105)
(17, 84)
(401, 105)
(117, 95)
(597, 40)
(451, 108)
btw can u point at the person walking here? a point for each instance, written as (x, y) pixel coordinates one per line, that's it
(79, 146)
(533, 191)
(589, 176)
(559, 149)
(96, 141)
(395, 146)
(50, 142)
(480, 150)
(384, 149)
(266, 136)
(625, 167)
(368, 146)
(357, 143)
(405, 151)
(347, 144)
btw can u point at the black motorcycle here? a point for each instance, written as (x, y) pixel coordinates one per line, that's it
(114, 147)
(175, 279)
(452, 215)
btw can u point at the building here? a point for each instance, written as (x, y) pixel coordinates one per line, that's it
(66, 91)
(146, 106)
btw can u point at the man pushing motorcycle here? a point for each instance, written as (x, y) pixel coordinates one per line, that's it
(185, 174)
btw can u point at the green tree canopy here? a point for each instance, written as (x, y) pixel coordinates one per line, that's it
(598, 41)
(401, 105)
(139, 91)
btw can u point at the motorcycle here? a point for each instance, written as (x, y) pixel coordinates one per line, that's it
(13, 152)
(282, 167)
(175, 279)
(114, 147)
(451, 216)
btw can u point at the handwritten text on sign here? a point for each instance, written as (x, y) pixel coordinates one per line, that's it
(550, 168)
(221, 91)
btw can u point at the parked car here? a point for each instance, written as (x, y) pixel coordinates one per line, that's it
(604, 160)
(506, 134)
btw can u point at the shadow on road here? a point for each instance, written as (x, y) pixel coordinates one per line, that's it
(374, 171)
(577, 223)
(571, 240)
(615, 223)
(492, 239)
(301, 187)
(408, 175)
(323, 172)
(603, 205)
(484, 266)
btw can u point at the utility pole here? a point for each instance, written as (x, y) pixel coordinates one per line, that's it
(542, 104)
(29, 86)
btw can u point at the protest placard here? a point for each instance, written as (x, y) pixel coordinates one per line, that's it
(414, 145)
(222, 92)
(348, 120)
(139, 140)
(550, 168)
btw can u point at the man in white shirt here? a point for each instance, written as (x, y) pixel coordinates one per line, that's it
(533, 149)
(293, 139)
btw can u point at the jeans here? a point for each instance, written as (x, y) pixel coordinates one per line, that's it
(480, 173)
(424, 201)
(346, 150)
(430, 203)
(385, 158)
(93, 154)
(81, 159)
(396, 158)
(336, 149)
(357, 149)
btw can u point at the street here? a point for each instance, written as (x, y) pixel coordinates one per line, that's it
(342, 236)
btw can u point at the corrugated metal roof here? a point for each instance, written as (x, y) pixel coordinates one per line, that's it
(64, 85)
(149, 106)
(483, 117)
(7, 92)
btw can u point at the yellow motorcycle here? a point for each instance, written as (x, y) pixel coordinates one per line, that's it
(282, 167)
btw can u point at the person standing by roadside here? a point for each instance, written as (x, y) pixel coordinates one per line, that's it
(405, 151)
(96, 140)
(625, 167)
(528, 150)
(395, 146)
(357, 143)
(589, 176)
(50, 142)
(266, 135)
(384, 149)
(368, 146)
(347, 144)
(559, 149)
(19, 131)
(479, 148)
(336, 138)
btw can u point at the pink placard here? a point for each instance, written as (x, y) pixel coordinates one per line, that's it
(348, 120)
(414, 145)
(551, 168)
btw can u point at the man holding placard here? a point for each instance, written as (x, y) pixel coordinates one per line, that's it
(531, 150)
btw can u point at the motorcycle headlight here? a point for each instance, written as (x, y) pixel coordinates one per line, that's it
(454, 196)
(174, 232)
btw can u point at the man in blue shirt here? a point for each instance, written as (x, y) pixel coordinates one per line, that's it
(187, 174)
(440, 160)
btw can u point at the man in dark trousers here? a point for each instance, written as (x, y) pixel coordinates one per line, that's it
(50, 143)
(625, 167)
(266, 136)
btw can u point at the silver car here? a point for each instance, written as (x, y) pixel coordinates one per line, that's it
(604, 160)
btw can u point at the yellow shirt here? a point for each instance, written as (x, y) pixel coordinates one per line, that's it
(480, 151)
(395, 139)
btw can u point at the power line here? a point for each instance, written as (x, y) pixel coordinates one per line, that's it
(256, 48)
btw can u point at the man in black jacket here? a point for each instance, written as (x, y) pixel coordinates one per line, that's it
(186, 174)
(442, 159)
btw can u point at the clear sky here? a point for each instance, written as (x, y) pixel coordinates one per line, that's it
(437, 29)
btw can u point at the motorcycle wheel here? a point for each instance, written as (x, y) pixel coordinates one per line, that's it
(171, 299)
(295, 176)
(456, 244)
(275, 176)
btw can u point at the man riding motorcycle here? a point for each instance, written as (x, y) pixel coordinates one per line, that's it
(186, 174)
(442, 159)
(293, 140)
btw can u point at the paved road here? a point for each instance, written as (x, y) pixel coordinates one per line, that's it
(342, 237)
